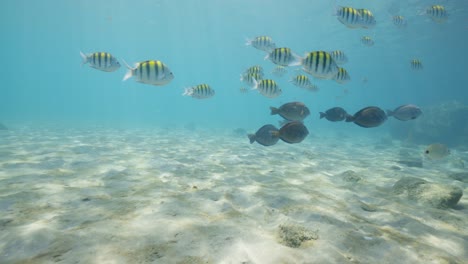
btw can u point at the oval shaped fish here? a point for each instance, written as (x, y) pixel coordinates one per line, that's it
(201, 91)
(283, 57)
(349, 16)
(294, 111)
(405, 112)
(368, 41)
(267, 88)
(320, 64)
(293, 132)
(334, 114)
(267, 135)
(436, 151)
(367, 117)
(103, 61)
(264, 43)
(152, 72)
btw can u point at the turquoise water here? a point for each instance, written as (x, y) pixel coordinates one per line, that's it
(97, 170)
(203, 42)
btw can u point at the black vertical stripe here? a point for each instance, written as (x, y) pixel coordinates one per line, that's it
(140, 71)
(147, 68)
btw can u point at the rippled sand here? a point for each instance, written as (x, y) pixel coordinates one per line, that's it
(180, 196)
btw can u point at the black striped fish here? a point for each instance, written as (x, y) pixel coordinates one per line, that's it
(150, 72)
(399, 21)
(368, 41)
(339, 56)
(254, 69)
(279, 71)
(416, 64)
(367, 18)
(201, 91)
(301, 81)
(264, 43)
(320, 64)
(283, 57)
(103, 61)
(267, 88)
(437, 13)
(342, 76)
(349, 17)
(249, 78)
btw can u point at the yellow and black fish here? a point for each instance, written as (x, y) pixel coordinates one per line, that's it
(283, 57)
(367, 18)
(264, 43)
(279, 71)
(256, 69)
(201, 91)
(416, 64)
(437, 13)
(342, 76)
(301, 81)
(268, 88)
(339, 56)
(103, 61)
(368, 41)
(320, 64)
(399, 21)
(349, 17)
(250, 78)
(152, 72)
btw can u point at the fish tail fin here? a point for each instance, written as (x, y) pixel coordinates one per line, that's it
(188, 92)
(129, 73)
(297, 60)
(255, 84)
(251, 138)
(241, 78)
(84, 58)
(274, 110)
(349, 118)
(335, 9)
(390, 113)
(248, 42)
(322, 115)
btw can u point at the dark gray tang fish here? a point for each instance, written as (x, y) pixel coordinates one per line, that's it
(293, 132)
(334, 114)
(267, 135)
(2, 127)
(371, 116)
(405, 112)
(294, 111)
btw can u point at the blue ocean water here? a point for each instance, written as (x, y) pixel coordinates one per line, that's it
(203, 42)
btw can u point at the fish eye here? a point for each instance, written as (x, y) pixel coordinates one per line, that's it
(427, 152)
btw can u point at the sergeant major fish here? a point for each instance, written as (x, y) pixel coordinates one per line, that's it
(320, 64)
(267, 88)
(283, 57)
(152, 72)
(264, 43)
(103, 61)
(201, 91)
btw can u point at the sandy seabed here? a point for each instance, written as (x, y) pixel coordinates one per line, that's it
(180, 196)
